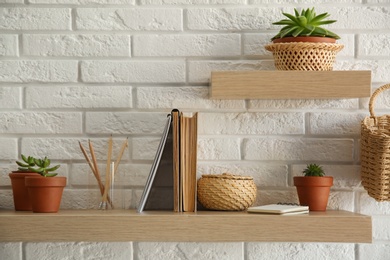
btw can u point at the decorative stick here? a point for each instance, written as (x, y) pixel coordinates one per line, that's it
(108, 175)
(124, 145)
(96, 172)
(87, 158)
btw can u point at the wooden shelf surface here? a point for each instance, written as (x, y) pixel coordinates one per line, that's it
(203, 226)
(277, 84)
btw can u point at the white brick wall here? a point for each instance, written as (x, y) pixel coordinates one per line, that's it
(79, 70)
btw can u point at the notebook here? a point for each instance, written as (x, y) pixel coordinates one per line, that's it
(279, 209)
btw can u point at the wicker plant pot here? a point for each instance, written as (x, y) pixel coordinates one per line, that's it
(375, 152)
(311, 56)
(226, 192)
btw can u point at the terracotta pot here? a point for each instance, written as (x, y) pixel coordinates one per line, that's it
(20, 191)
(45, 193)
(313, 191)
(305, 39)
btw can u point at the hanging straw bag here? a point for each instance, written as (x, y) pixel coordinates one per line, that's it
(375, 152)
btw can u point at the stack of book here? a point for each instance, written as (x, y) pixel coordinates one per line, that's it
(171, 184)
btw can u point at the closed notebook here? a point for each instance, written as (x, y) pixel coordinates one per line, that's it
(279, 209)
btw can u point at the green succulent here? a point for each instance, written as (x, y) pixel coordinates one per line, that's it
(314, 170)
(27, 162)
(41, 166)
(306, 23)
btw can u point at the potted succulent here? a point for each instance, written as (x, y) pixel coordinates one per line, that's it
(313, 188)
(45, 190)
(19, 190)
(302, 44)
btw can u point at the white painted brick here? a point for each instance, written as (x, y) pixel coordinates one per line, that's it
(335, 123)
(78, 250)
(79, 45)
(298, 149)
(6, 199)
(8, 45)
(200, 71)
(10, 97)
(83, 2)
(182, 97)
(251, 123)
(133, 71)
(373, 45)
(79, 96)
(374, 251)
(5, 169)
(35, 19)
(344, 176)
(128, 174)
(370, 206)
(200, 251)
(379, 68)
(90, 198)
(377, 1)
(68, 148)
(187, 45)
(264, 175)
(125, 122)
(11, 251)
(298, 251)
(38, 71)
(190, 2)
(341, 200)
(381, 103)
(129, 19)
(381, 228)
(357, 17)
(12, 1)
(269, 196)
(317, 2)
(144, 148)
(231, 18)
(219, 149)
(303, 104)
(41, 122)
(11, 153)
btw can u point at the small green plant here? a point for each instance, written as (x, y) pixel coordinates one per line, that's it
(27, 162)
(314, 170)
(41, 166)
(306, 23)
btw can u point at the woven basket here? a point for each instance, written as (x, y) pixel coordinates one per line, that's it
(304, 55)
(375, 152)
(226, 192)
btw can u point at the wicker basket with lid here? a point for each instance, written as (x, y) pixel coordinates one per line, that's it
(226, 191)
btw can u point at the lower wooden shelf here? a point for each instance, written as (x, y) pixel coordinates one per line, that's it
(203, 226)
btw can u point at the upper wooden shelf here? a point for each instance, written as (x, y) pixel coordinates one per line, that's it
(290, 84)
(205, 226)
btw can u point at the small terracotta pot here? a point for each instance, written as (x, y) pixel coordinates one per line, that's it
(20, 191)
(313, 191)
(45, 193)
(305, 39)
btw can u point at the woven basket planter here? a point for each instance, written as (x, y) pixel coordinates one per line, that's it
(309, 56)
(226, 192)
(375, 152)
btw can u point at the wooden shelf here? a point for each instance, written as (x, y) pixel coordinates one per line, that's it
(290, 84)
(205, 226)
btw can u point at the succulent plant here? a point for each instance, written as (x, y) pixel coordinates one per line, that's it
(306, 23)
(41, 166)
(27, 162)
(314, 170)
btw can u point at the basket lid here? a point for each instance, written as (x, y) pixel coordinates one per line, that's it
(227, 176)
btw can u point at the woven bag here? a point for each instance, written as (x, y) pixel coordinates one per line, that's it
(226, 192)
(375, 152)
(304, 55)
